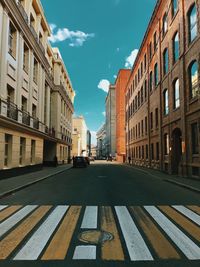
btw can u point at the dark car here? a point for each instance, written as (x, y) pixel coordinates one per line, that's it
(79, 162)
(87, 160)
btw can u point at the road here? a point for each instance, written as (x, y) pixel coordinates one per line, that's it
(105, 215)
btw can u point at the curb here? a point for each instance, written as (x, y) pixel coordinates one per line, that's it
(183, 185)
(9, 192)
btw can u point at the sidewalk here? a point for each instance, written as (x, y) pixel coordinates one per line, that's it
(13, 184)
(189, 183)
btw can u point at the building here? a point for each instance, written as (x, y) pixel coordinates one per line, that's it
(120, 85)
(101, 142)
(162, 94)
(80, 135)
(34, 86)
(94, 151)
(111, 122)
(88, 143)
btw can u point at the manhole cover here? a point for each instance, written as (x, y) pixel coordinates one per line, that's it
(95, 237)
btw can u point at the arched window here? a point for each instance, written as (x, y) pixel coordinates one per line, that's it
(156, 74)
(164, 24)
(192, 23)
(174, 7)
(175, 47)
(165, 61)
(176, 89)
(151, 81)
(193, 79)
(166, 102)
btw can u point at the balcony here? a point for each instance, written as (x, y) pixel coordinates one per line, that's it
(26, 118)
(34, 33)
(23, 12)
(12, 111)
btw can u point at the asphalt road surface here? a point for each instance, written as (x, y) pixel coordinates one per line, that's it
(102, 216)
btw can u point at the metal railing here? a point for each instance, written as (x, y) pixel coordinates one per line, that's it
(23, 12)
(12, 110)
(26, 118)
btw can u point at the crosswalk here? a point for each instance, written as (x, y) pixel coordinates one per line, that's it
(119, 233)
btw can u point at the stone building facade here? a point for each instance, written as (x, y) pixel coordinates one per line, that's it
(36, 94)
(162, 94)
(120, 85)
(101, 142)
(111, 122)
(79, 137)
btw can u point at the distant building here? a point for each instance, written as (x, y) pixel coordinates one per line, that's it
(79, 137)
(101, 142)
(88, 143)
(120, 86)
(110, 126)
(94, 151)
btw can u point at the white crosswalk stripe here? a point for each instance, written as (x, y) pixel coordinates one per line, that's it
(90, 218)
(136, 246)
(14, 219)
(85, 253)
(188, 213)
(3, 207)
(37, 242)
(185, 244)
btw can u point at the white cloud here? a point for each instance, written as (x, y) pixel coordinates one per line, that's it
(131, 59)
(104, 85)
(104, 113)
(115, 76)
(76, 38)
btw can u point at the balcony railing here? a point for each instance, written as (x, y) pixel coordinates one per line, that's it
(26, 118)
(23, 12)
(35, 123)
(34, 33)
(12, 110)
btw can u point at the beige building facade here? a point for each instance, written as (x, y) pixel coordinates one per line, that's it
(79, 137)
(36, 94)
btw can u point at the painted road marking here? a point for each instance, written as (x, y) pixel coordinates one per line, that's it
(12, 240)
(3, 207)
(161, 245)
(14, 219)
(59, 245)
(120, 233)
(185, 244)
(109, 248)
(188, 213)
(90, 218)
(135, 244)
(85, 253)
(7, 212)
(37, 242)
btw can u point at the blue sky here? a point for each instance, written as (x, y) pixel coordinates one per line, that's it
(96, 38)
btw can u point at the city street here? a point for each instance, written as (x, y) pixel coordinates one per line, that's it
(105, 215)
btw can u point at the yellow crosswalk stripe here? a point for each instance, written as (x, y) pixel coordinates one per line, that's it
(195, 209)
(8, 211)
(187, 225)
(12, 240)
(161, 245)
(111, 250)
(60, 243)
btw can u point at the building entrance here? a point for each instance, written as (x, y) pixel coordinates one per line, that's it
(176, 150)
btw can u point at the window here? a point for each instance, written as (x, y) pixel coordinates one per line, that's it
(152, 151)
(146, 126)
(156, 74)
(164, 24)
(26, 58)
(145, 62)
(142, 127)
(150, 50)
(141, 68)
(174, 7)
(32, 151)
(195, 138)
(155, 41)
(136, 103)
(7, 150)
(166, 144)
(192, 23)
(151, 81)
(34, 111)
(151, 120)
(156, 117)
(35, 71)
(142, 152)
(24, 104)
(193, 79)
(147, 152)
(12, 40)
(145, 89)
(165, 61)
(22, 150)
(139, 99)
(166, 102)
(142, 95)
(157, 151)
(176, 47)
(176, 94)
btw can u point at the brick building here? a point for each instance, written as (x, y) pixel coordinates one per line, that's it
(120, 85)
(162, 94)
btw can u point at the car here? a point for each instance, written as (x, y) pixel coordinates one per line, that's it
(79, 162)
(110, 158)
(87, 160)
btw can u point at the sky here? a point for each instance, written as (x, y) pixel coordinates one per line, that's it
(96, 38)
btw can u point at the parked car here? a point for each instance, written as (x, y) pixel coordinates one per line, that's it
(87, 160)
(79, 162)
